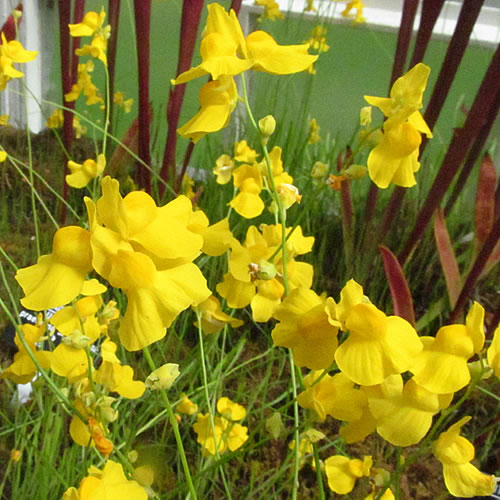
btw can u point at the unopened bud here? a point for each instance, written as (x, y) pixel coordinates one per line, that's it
(77, 340)
(319, 170)
(266, 270)
(365, 116)
(267, 125)
(163, 377)
(354, 172)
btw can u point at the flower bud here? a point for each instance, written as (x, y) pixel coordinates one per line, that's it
(267, 125)
(77, 340)
(319, 170)
(266, 270)
(365, 116)
(163, 377)
(354, 172)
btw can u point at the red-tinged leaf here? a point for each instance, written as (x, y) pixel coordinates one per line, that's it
(485, 200)
(401, 295)
(9, 27)
(493, 259)
(447, 258)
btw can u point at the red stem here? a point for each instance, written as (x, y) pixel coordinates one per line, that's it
(191, 14)
(142, 10)
(457, 150)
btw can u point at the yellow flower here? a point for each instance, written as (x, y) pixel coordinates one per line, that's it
(84, 84)
(358, 18)
(186, 406)
(3, 156)
(271, 10)
(404, 416)
(218, 99)
(377, 346)
(224, 166)
(308, 327)
(157, 274)
(455, 453)
(82, 174)
(314, 136)
(213, 319)
(4, 121)
(111, 482)
(22, 370)
(58, 278)
(317, 40)
(10, 53)
(126, 104)
(334, 396)
(205, 434)
(164, 377)
(244, 153)
(342, 472)
(493, 353)
(230, 410)
(442, 366)
(395, 158)
(92, 25)
(247, 203)
(249, 280)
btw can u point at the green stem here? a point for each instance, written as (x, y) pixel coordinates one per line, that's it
(319, 476)
(175, 427)
(207, 398)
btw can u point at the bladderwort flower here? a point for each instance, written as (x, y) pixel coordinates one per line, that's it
(110, 482)
(307, 326)
(254, 281)
(83, 173)
(343, 472)
(225, 53)
(213, 319)
(85, 85)
(456, 453)
(271, 10)
(10, 53)
(93, 25)
(395, 158)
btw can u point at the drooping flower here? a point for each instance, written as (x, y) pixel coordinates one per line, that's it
(186, 406)
(442, 365)
(377, 346)
(218, 99)
(404, 416)
(164, 377)
(85, 85)
(308, 327)
(223, 170)
(395, 158)
(456, 453)
(93, 25)
(213, 319)
(23, 369)
(334, 396)
(10, 53)
(57, 278)
(342, 472)
(110, 482)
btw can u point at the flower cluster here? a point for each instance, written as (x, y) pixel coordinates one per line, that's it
(395, 158)
(123, 246)
(226, 433)
(225, 53)
(369, 392)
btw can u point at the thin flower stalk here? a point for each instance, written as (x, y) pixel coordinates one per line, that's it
(191, 14)
(175, 427)
(458, 148)
(209, 404)
(114, 18)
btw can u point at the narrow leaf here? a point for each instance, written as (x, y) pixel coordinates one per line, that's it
(400, 292)
(447, 258)
(485, 200)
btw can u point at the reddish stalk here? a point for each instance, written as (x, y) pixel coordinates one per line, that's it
(191, 14)
(477, 268)
(474, 153)
(461, 141)
(403, 43)
(142, 9)
(456, 49)
(113, 18)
